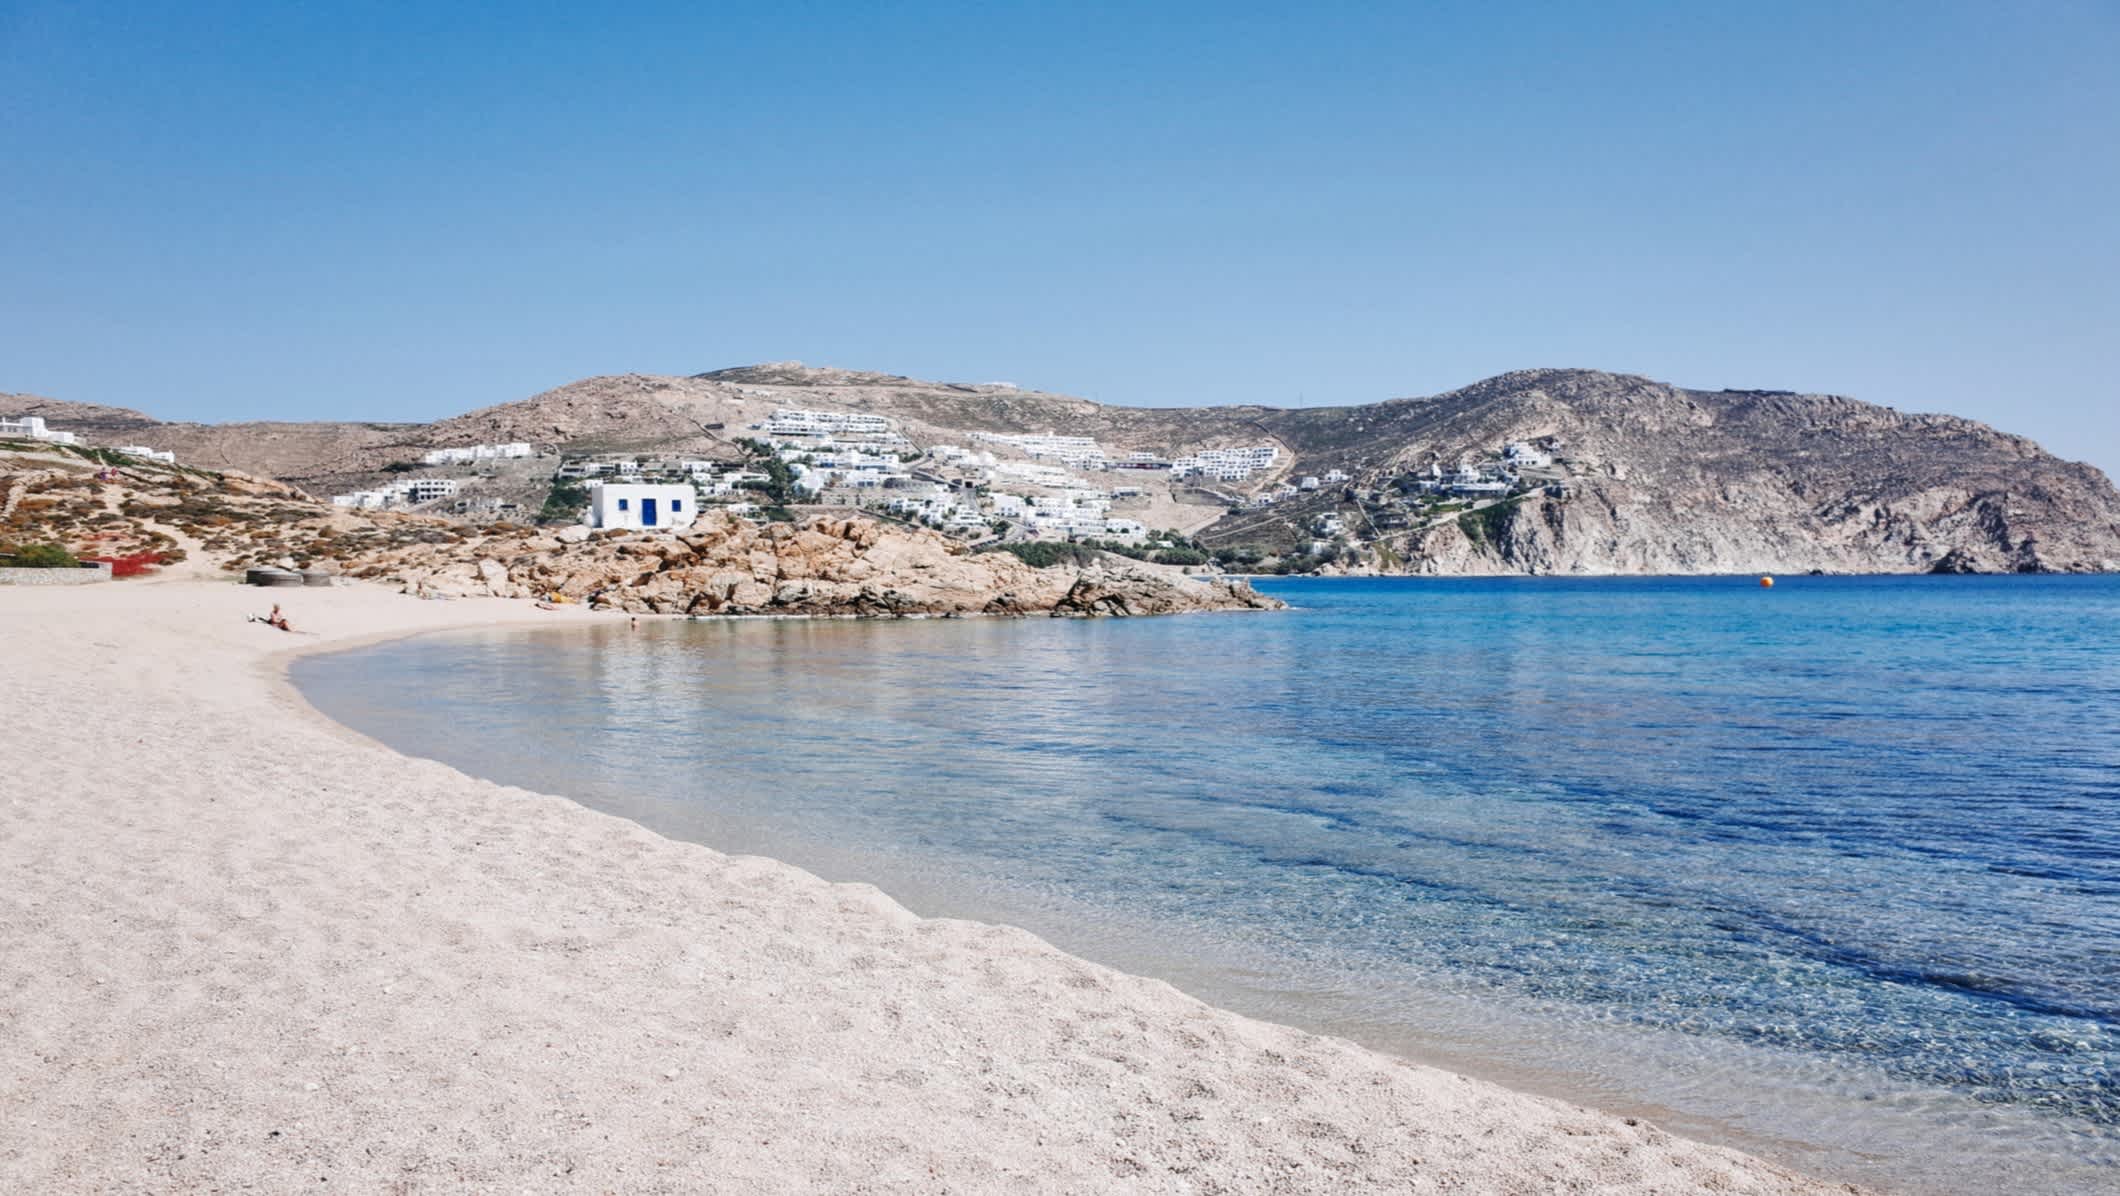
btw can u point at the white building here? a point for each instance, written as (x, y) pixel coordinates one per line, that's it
(477, 452)
(1309, 483)
(1527, 456)
(1226, 465)
(789, 421)
(1468, 479)
(642, 505)
(410, 492)
(32, 427)
(1077, 452)
(423, 490)
(1033, 475)
(1125, 528)
(145, 453)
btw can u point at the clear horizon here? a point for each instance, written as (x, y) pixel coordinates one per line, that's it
(232, 212)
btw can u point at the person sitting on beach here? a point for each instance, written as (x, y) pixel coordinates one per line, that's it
(275, 619)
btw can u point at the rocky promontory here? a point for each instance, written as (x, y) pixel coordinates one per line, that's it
(725, 565)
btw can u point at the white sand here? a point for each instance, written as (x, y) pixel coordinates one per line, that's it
(242, 948)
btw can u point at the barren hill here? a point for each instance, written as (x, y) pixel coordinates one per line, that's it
(1648, 477)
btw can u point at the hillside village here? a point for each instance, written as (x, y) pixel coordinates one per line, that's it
(998, 489)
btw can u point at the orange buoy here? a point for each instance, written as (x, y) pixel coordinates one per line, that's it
(1766, 583)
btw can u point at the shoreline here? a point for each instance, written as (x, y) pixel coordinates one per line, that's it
(617, 991)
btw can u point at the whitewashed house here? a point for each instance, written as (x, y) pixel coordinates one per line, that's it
(32, 427)
(147, 454)
(642, 506)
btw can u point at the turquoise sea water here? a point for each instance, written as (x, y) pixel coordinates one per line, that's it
(1830, 871)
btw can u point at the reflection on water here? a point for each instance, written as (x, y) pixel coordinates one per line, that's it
(1833, 868)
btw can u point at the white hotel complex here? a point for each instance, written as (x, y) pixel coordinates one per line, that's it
(477, 452)
(1226, 465)
(788, 421)
(1079, 452)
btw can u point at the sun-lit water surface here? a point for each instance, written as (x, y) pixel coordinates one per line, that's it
(1832, 870)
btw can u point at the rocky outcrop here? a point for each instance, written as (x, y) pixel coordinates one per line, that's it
(723, 565)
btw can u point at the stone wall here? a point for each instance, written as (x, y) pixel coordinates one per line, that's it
(55, 577)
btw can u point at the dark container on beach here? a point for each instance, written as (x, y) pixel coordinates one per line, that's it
(271, 577)
(316, 577)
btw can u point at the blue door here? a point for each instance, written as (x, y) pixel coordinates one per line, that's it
(647, 512)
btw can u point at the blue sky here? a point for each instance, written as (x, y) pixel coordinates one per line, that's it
(218, 211)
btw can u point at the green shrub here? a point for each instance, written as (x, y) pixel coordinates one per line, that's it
(566, 502)
(1045, 554)
(1486, 526)
(39, 556)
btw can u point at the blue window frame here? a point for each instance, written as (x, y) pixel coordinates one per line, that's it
(677, 504)
(622, 503)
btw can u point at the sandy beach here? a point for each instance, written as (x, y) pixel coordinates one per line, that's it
(243, 948)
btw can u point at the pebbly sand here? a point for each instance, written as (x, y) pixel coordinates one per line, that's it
(245, 949)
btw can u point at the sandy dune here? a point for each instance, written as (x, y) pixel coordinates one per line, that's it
(242, 948)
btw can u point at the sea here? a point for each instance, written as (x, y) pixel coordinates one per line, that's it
(1828, 871)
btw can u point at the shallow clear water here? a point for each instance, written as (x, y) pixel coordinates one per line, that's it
(1831, 871)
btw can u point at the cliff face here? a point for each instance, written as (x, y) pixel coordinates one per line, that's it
(1657, 478)
(1666, 480)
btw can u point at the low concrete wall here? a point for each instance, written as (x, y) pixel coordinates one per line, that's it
(55, 577)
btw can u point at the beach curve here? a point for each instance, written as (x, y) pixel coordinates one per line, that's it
(245, 946)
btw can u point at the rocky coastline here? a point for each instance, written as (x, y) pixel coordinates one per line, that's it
(727, 566)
